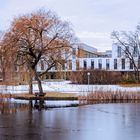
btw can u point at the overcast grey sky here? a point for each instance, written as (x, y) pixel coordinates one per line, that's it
(92, 20)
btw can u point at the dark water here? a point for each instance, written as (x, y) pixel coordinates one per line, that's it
(19, 121)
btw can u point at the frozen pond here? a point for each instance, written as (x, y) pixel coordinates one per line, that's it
(19, 121)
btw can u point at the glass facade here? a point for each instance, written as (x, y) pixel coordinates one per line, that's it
(107, 64)
(131, 64)
(135, 51)
(42, 65)
(123, 63)
(100, 63)
(92, 64)
(139, 63)
(119, 51)
(115, 64)
(85, 64)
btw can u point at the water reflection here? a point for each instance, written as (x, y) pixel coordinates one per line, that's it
(39, 104)
(98, 122)
(9, 106)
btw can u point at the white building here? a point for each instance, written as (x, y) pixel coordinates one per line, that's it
(87, 57)
(112, 60)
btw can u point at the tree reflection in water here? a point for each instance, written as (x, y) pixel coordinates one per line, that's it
(8, 107)
(39, 104)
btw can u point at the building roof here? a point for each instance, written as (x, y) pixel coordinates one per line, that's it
(87, 48)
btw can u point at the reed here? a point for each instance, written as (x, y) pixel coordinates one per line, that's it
(6, 95)
(110, 96)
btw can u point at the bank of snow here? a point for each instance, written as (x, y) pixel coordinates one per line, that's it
(67, 87)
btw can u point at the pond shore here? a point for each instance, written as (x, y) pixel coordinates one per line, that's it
(65, 90)
(48, 96)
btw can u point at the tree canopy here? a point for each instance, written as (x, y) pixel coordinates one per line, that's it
(129, 42)
(39, 36)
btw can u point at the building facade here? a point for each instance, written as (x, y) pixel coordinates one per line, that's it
(86, 57)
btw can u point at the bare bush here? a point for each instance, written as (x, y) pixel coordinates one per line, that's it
(96, 77)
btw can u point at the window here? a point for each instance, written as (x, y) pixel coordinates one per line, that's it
(85, 64)
(77, 65)
(135, 51)
(92, 64)
(74, 53)
(119, 51)
(107, 64)
(139, 63)
(115, 64)
(70, 65)
(42, 65)
(127, 51)
(100, 63)
(131, 64)
(123, 63)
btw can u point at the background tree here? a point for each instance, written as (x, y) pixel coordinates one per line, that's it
(6, 59)
(129, 42)
(40, 37)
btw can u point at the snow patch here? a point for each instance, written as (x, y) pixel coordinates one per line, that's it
(67, 87)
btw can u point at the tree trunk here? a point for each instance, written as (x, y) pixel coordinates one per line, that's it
(30, 82)
(30, 86)
(39, 84)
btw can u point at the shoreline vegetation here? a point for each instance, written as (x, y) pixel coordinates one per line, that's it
(97, 95)
(130, 85)
(47, 96)
(110, 96)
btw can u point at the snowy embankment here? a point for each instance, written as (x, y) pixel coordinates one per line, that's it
(66, 87)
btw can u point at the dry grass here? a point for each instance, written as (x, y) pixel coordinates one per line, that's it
(130, 85)
(50, 95)
(58, 94)
(110, 96)
(8, 83)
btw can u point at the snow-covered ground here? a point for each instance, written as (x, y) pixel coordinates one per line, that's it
(67, 87)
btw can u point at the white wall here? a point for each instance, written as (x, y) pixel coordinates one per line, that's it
(96, 59)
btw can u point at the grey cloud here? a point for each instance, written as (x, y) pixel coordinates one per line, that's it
(91, 16)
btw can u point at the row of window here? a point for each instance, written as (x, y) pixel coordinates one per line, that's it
(99, 64)
(126, 51)
(123, 64)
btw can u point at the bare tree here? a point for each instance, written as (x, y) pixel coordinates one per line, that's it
(6, 58)
(129, 42)
(40, 37)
